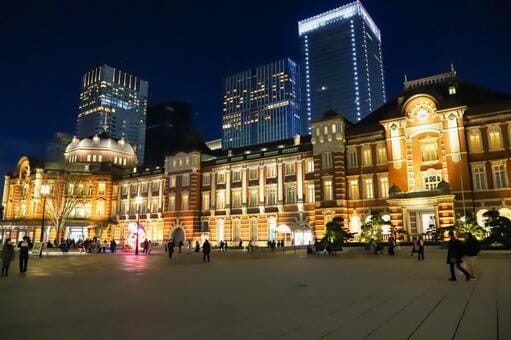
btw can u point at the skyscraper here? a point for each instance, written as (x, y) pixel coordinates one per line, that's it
(115, 101)
(262, 105)
(343, 65)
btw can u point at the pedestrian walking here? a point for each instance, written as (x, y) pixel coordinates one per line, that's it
(221, 245)
(197, 246)
(472, 249)
(145, 246)
(7, 257)
(24, 246)
(415, 246)
(180, 245)
(391, 246)
(113, 246)
(240, 245)
(421, 244)
(170, 248)
(454, 257)
(206, 249)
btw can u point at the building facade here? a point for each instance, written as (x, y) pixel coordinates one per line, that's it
(262, 105)
(439, 150)
(342, 61)
(114, 101)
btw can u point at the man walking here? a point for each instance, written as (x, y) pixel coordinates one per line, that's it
(472, 249)
(7, 257)
(421, 249)
(206, 249)
(454, 257)
(170, 247)
(180, 245)
(24, 247)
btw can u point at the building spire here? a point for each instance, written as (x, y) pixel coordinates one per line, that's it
(406, 77)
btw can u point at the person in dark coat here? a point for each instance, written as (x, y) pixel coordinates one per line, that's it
(391, 245)
(170, 249)
(454, 257)
(240, 245)
(421, 249)
(7, 256)
(206, 249)
(221, 245)
(197, 246)
(113, 246)
(472, 249)
(180, 245)
(24, 247)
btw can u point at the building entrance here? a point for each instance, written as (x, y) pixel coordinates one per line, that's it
(178, 235)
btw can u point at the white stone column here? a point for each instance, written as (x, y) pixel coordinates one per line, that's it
(212, 199)
(261, 188)
(280, 186)
(244, 189)
(299, 183)
(5, 196)
(160, 196)
(228, 191)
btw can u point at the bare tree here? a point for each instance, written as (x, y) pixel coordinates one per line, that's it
(64, 197)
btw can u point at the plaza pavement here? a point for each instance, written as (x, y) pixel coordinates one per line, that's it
(255, 296)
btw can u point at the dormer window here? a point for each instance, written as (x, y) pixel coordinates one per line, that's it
(452, 90)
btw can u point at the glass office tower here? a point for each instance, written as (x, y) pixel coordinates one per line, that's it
(262, 105)
(114, 101)
(343, 65)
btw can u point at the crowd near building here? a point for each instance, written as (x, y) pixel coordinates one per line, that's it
(439, 148)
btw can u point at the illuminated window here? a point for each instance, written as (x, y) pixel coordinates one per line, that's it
(100, 158)
(94, 158)
(253, 228)
(271, 171)
(327, 190)
(327, 160)
(290, 169)
(479, 176)
(172, 202)
(367, 159)
(352, 158)
(253, 197)
(101, 188)
(452, 90)
(384, 186)
(309, 165)
(155, 186)
(220, 178)
(124, 190)
(88, 158)
(431, 181)
(220, 199)
(206, 179)
(205, 201)
(334, 128)
(185, 180)
(271, 196)
(236, 176)
(144, 187)
(290, 194)
(429, 149)
(474, 140)
(495, 138)
(381, 153)
(220, 229)
(499, 175)
(236, 229)
(172, 181)
(236, 199)
(353, 189)
(100, 208)
(368, 188)
(184, 201)
(252, 173)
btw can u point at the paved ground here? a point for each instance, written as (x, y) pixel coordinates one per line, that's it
(255, 296)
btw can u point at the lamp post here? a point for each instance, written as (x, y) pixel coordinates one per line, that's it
(45, 190)
(138, 201)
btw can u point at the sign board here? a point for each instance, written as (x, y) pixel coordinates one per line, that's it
(37, 248)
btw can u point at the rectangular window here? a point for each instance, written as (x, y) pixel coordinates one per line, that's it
(352, 158)
(155, 186)
(499, 176)
(172, 181)
(124, 207)
(327, 160)
(310, 192)
(236, 176)
(384, 186)
(115, 190)
(429, 151)
(253, 229)
(479, 175)
(236, 199)
(271, 196)
(206, 179)
(220, 199)
(155, 207)
(94, 158)
(368, 188)
(100, 208)
(134, 189)
(172, 202)
(271, 171)
(309, 165)
(291, 194)
(431, 181)
(144, 187)
(494, 138)
(220, 178)
(184, 201)
(474, 140)
(354, 189)
(124, 190)
(327, 190)
(381, 153)
(334, 128)
(236, 229)
(185, 180)
(252, 197)
(101, 188)
(367, 158)
(205, 201)
(290, 169)
(252, 173)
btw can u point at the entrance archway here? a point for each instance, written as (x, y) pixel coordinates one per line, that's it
(178, 235)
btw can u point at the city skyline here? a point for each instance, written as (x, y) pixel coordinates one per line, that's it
(447, 40)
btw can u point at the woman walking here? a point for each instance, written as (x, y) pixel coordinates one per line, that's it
(421, 249)
(7, 257)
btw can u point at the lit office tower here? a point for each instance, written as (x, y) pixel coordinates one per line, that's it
(262, 105)
(343, 65)
(115, 101)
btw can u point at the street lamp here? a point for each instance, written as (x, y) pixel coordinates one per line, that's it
(138, 201)
(45, 190)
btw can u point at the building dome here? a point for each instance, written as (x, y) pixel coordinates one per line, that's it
(100, 149)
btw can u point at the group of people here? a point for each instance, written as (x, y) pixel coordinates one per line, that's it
(275, 244)
(8, 255)
(458, 251)
(418, 247)
(95, 245)
(206, 248)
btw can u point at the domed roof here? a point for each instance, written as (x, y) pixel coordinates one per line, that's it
(101, 142)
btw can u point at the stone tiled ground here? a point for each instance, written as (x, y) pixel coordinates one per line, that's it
(255, 296)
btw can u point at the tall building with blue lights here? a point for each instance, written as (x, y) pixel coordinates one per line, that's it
(114, 101)
(262, 105)
(342, 61)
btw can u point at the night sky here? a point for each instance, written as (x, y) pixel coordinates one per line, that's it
(185, 49)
